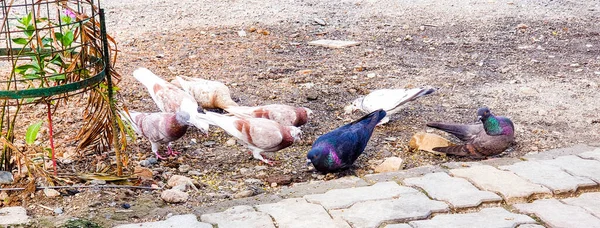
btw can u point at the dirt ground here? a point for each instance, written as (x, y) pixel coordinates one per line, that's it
(537, 62)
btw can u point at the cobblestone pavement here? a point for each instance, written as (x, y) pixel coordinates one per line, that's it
(557, 188)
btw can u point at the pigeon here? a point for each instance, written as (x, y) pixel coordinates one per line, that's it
(209, 94)
(283, 114)
(389, 100)
(338, 149)
(258, 134)
(494, 135)
(159, 127)
(170, 98)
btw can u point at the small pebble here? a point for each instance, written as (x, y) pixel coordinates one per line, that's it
(371, 75)
(58, 210)
(152, 160)
(230, 142)
(145, 163)
(125, 206)
(194, 173)
(184, 168)
(98, 182)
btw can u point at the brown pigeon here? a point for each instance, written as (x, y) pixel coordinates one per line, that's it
(159, 128)
(283, 114)
(257, 133)
(170, 98)
(209, 94)
(492, 137)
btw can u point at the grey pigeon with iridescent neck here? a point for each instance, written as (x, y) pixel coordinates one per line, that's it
(492, 137)
(338, 149)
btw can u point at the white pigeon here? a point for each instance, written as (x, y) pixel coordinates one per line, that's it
(390, 100)
(257, 133)
(170, 98)
(209, 94)
(283, 114)
(159, 127)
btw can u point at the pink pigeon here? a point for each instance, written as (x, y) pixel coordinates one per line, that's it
(283, 114)
(209, 94)
(257, 133)
(170, 98)
(159, 127)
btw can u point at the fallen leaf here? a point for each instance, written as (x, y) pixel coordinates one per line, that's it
(428, 141)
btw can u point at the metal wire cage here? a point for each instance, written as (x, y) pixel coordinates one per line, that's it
(50, 49)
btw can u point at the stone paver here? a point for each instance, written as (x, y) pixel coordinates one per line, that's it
(486, 218)
(398, 226)
(589, 201)
(551, 176)
(179, 221)
(240, 216)
(296, 212)
(556, 214)
(409, 206)
(343, 198)
(317, 187)
(530, 226)
(402, 174)
(458, 192)
(578, 166)
(491, 162)
(550, 154)
(512, 187)
(13, 216)
(595, 154)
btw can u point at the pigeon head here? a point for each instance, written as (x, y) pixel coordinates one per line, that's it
(355, 105)
(309, 113)
(483, 114)
(316, 156)
(295, 132)
(182, 117)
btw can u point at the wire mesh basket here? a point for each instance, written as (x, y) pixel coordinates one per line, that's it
(50, 49)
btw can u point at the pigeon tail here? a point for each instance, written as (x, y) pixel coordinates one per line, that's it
(461, 131)
(147, 78)
(379, 114)
(419, 93)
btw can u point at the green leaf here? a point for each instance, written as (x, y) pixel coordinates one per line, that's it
(47, 41)
(23, 68)
(32, 132)
(65, 19)
(29, 30)
(31, 76)
(67, 39)
(21, 41)
(57, 60)
(58, 77)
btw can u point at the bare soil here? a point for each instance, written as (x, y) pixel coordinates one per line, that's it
(537, 62)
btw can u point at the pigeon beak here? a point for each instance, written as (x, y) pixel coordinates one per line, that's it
(308, 162)
(479, 118)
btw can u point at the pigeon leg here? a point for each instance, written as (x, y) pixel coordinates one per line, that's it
(155, 147)
(256, 154)
(170, 151)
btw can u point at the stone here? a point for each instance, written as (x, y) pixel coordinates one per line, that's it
(320, 21)
(13, 216)
(181, 180)
(6, 177)
(316, 187)
(527, 91)
(595, 154)
(144, 163)
(58, 210)
(194, 173)
(398, 226)
(333, 43)
(578, 166)
(553, 177)
(243, 194)
(241, 33)
(280, 179)
(152, 160)
(97, 182)
(297, 213)
(51, 193)
(589, 201)
(402, 174)
(389, 165)
(512, 187)
(174, 196)
(184, 168)
(487, 217)
(344, 198)
(3, 195)
(428, 141)
(239, 216)
(556, 214)
(179, 221)
(458, 192)
(371, 214)
(551, 154)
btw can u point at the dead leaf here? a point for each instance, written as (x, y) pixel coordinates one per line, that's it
(428, 141)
